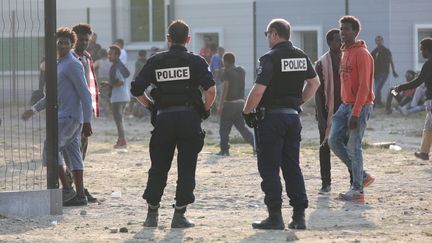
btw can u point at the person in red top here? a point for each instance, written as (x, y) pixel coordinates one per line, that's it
(349, 121)
(402, 98)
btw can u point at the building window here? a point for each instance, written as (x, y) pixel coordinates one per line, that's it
(306, 38)
(420, 31)
(147, 20)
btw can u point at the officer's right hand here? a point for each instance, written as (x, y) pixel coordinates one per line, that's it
(250, 119)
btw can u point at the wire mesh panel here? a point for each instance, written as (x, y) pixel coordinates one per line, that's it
(21, 77)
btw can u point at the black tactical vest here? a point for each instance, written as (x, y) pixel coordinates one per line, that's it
(289, 73)
(175, 83)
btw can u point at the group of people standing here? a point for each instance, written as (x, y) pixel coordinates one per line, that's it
(179, 88)
(347, 89)
(78, 99)
(271, 109)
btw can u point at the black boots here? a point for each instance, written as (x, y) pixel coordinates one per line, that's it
(152, 216)
(273, 221)
(179, 220)
(298, 219)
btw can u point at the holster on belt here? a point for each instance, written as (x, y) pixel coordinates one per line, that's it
(153, 114)
(198, 104)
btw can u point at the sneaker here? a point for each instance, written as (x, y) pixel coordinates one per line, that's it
(324, 189)
(352, 196)
(223, 153)
(68, 194)
(90, 198)
(121, 144)
(368, 180)
(421, 155)
(76, 201)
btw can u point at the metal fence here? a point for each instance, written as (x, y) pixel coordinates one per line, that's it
(21, 50)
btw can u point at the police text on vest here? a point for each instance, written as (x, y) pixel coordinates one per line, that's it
(293, 65)
(172, 74)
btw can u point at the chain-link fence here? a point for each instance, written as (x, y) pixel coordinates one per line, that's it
(21, 55)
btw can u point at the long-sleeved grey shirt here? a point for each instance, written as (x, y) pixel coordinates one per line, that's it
(73, 95)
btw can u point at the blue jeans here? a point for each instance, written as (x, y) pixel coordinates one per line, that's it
(350, 152)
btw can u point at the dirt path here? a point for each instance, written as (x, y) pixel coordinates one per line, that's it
(229, 198)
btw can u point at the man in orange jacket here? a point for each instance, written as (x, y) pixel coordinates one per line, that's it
(349, 122)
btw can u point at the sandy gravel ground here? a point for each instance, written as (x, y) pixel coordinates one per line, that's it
(229, 198)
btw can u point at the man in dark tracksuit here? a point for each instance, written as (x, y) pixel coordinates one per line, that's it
(277, 94)
(175, 76)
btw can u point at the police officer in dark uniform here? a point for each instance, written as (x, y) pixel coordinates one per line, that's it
(176, 77)
(272, 109)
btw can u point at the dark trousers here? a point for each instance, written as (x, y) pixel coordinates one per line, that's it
(117, 110)
(379, 82)
(278, 138)
(180, 129)
(232, 115)
(402, 100)
(324, 157)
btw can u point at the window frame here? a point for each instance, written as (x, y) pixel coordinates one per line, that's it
(151, 40)
(197, 33)
(319, 40)
(416, 45)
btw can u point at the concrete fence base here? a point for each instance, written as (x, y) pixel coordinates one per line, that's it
(28, 204)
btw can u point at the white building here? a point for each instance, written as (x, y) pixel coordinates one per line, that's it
(229, 23)
(236, 25)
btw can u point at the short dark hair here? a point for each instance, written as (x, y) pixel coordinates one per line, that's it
(411, 72)
(102, 53)
(142, 53)
(67, 33)
(229, 57)
(330, 35)
(354, 21)
(426, 43)
(116, 49)
(82, 29)
(282, 27)
(119, 42)
(178, 31)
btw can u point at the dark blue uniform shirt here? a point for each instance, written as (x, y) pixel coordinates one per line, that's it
(265, 68)
(199, 68)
